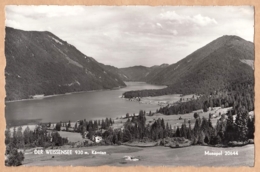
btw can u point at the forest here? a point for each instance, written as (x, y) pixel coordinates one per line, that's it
(237, 95)
(19, 139)
(203, 132)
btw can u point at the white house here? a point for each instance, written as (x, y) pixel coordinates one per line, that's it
(97, 139)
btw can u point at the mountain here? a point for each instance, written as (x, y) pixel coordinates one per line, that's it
(136, 73)
(222, 62)
(42, 63)
(155, 70)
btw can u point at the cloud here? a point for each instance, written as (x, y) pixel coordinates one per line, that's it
(175, 32)
(125, 36)
(158, 24)
(184, 19)
(12, 23)
(203, 21)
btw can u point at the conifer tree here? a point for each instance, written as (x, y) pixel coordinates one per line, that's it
(189, 132)
(241, 123)
(127, 136)
(178, 134)
(14, 138)
(76, 127)
(183, 130)
(230, 132)
(120, 136)
(7, 136)
(20, 138)
(251, 127)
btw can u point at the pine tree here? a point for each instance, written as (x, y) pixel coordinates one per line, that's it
(162, 124)
(20, 138)
(115, 138)
(58, 126)
(127, 136)
(76, 127)
(205, 106)
(7, 136)
(230, 132)
(90, 134)
(183, 130)
(110, 122)
(14, 139)
(166, 131)
(177, 133)
(241, 122)
(103, 125)
(95, 125)
(251, 127)
(120, 136)
(189, 132)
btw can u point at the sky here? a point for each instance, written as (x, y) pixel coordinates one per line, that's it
(125, 36)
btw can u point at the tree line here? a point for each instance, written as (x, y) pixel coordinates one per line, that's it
(235, 96)
(203, 132)
(18, 139)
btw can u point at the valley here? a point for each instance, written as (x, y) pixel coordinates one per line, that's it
(203, 102)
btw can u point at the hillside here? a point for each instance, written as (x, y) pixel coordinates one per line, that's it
(136, 73)
(42, 63)
(218, 64)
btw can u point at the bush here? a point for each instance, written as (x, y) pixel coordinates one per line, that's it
(14, 158)
(196, 115)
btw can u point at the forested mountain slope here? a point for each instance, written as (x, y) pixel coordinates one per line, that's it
(212, 67)
(136, 73)
(42, 63)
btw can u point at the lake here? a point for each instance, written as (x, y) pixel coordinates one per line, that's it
(76, 106)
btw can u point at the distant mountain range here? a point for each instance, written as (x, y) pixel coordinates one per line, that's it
(136, 73)
(222, 62)
(42, 63)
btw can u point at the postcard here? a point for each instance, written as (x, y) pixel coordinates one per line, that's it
(129, 86)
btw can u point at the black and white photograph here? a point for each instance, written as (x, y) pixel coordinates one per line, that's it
(129, 86)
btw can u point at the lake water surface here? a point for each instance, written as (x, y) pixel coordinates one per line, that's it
(76, 106)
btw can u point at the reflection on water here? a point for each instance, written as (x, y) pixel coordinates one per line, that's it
(84, 105)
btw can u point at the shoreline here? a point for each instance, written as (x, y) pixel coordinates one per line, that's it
(163, 100)
(64, 94)
(75, 92)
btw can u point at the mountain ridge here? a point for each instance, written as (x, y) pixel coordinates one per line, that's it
(199, 55)
(41, 63)
(211, 67)
(136, 73)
